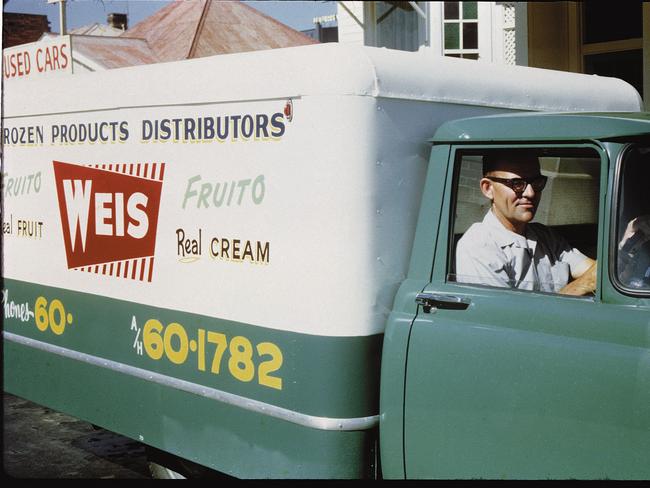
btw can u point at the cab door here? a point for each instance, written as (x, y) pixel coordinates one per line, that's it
(507, 383)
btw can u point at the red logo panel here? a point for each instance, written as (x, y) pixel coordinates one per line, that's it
(109, 216)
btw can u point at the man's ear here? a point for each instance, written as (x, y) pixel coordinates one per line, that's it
(486, 188)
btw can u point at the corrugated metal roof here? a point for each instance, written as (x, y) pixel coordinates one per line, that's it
(201, 28)
(97, 29)
(114, 52)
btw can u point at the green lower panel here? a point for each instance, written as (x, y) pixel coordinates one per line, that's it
(225, 438)
(103, 364)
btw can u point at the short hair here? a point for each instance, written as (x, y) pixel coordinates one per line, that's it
(494, 160)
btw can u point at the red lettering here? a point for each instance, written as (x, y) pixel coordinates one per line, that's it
(39, 53)
(64, 56)
(19, 62)
(6, 69)
(27, 63)
(48, 60)
(55, 56)
(13, 65)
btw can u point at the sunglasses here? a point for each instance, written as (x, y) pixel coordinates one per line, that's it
(519, 185)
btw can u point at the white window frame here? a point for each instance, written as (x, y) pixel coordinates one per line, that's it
(460, 21)
(485, 18)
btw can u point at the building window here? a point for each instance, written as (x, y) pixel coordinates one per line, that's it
(604, 23)
(396, 26)
(460, 24)
(612, 40)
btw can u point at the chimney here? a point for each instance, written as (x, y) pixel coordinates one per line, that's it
(118, 21)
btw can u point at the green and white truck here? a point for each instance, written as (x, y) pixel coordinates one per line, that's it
(246, 262)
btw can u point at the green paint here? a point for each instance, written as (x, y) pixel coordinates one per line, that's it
(528, 386)
(332, 377)
(520, 385)
(222, 437)
(312, 382)
(544, 127)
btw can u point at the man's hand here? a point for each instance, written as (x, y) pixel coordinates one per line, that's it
(583, 285)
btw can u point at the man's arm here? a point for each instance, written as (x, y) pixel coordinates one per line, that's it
(585, 279)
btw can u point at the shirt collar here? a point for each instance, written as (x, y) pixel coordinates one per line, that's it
(503, 236)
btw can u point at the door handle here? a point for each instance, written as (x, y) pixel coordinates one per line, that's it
(437, 301)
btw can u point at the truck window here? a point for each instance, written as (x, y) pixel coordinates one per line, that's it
(632, 249)
(525, 218)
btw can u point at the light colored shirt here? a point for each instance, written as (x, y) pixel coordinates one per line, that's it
(490, 254)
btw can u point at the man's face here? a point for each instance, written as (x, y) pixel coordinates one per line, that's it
(514, 210)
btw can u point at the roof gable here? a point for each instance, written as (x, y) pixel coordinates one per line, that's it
(183, 30)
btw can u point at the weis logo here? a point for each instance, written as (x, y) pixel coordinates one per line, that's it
(109, 215)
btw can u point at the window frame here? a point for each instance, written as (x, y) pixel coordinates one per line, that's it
(614, 224)
(449, 253)
(462, 52)
(587, 49)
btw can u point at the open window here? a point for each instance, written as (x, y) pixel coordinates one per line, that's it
(567, 209)
(632, 245)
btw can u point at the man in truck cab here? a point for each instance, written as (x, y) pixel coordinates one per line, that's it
(506, 249)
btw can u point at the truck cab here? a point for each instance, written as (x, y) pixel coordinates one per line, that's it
(498, 382)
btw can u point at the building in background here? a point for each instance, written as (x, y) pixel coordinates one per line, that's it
(184, 30)
(116, 25)
(472, 30)
(603, 38)
(180, 30)
(22, 28)
(600, 38)
(325, 29)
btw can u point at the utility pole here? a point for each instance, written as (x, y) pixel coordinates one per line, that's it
(62, 24)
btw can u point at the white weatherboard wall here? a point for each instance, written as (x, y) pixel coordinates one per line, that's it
(342, 184)
(350, 22)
